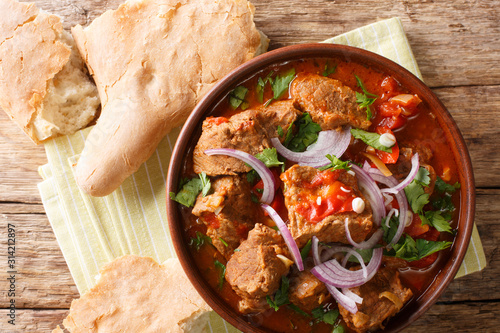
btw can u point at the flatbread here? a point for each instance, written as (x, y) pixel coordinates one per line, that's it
(152, 61)
(136, 294)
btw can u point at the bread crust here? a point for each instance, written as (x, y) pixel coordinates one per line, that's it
(136, 294)
(152, 60)
(31, 55)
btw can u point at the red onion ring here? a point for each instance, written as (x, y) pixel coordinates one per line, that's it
(400, 198)
(356, 298)
(348, 303)
(415, 165)
(329, 142)
(265, 174)
(287, 236)
(332, 273)
(372, 192)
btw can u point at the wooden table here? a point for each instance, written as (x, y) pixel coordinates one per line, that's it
(457, 45)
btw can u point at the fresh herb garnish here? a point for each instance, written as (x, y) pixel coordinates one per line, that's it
(306, 249)
(371, 139)
(188, 193)
(437, 219)
(443, 187)
(328, 316)
(261, 85)
(415, 191)
(252, 176)
(270, 157)
(307, 134)
(298, 310)
(280, 131)
(366, 255)
(222, 272)
(237, 98)
(280, 84)
(335, 164)
(410, 250)
(223, 242)
(199, 240)
(281, 296)
(254, 198)
(329, 70)
(363, 99)
(205, 184)
(338, 329)
(389, 231)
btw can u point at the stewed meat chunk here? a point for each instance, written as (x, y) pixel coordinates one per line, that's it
(249, 131)
(306, 291)
(228, 212)
(255, 270)
(330, 103)
(383, 296)
(320, 202)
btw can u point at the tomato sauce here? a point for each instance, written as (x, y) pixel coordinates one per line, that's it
(412, 121)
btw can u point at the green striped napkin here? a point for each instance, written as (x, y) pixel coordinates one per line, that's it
(93, 231)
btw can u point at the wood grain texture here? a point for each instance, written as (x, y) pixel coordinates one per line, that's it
(457, 45)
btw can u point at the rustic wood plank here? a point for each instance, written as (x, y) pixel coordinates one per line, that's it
(475, 110)
(468, 30)
(32, 320)
(43, 279)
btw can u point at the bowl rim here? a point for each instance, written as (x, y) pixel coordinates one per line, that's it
(321, 50)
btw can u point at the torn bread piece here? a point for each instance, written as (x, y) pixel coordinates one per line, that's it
(152, 62)
(136, 294)
(44, 86)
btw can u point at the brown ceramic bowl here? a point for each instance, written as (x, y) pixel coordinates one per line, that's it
(467, 192)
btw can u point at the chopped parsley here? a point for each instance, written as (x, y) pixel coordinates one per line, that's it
(365, 99)
(237, 98)
(335, 164)
(298, 310)
(437, 219)
(443, 187)
(222, 272)
(371, 139)
(223, 242)
(307, 134)
(329, 69)
(280, 131)
(190, 190)
(261, 85)
(280, 298)
(199, 240)
(270, 157)
(320, 314)
(410, 250)
(280, 84)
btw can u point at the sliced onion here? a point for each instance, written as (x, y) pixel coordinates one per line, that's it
(316, 251)
(332, 273)
(356, 298)
(401, 199)
(393, 211)
(367, 244)
(415, 165)
(329, 142)
(372, 192)
(347, 303)
(287, 236)
(265, 174)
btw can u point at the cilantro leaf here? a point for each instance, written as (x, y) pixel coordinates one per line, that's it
(422, 177)
(280, 131)
(329, 70)
(270, 157)
(281, 296)
(335, 164)
(328, 316)
(199, 240)
(437, 220)
(389, 231)
(187, 195)
(306, 249)
(298, 310)
(415, 192)
(261, 85)
(443, 187)
(371, 139)
(252, 176)
(444, 203)
(363, 99)
(366, 255)
(410, 250)
(307, 134)
(338, 329)
(222, 272)
(205, 184)
(281, 83)
(237, 98)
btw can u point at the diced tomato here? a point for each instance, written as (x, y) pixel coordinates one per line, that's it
(424, 262)
(390, 87)
(217, 120)
(393, 122)
(431, 235)
(416, 229)
(388, 109)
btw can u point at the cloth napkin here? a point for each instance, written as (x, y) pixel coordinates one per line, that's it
(93, 231)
